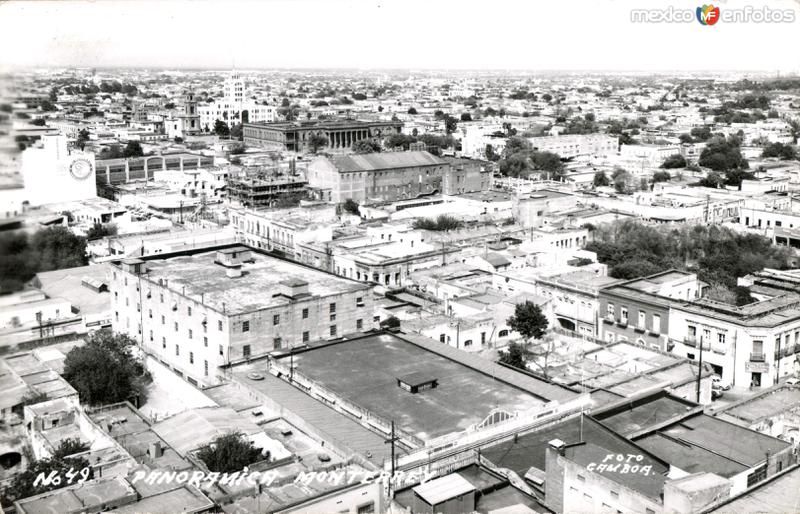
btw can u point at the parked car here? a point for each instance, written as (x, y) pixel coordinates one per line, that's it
(793, 381)
(717, 383)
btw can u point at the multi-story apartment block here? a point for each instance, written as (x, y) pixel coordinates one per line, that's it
(197, 311)
(753, 345)
(233, 108)
(639, 310)
(577, 145)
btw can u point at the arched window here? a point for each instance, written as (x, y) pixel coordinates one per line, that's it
(503, 333)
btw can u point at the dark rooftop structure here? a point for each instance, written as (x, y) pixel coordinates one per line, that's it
(365, 371)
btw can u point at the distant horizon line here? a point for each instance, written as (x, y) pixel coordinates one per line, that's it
(781, 72)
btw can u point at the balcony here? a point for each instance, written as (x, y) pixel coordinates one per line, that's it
(690, 341)
(622, 322)
(757, 357)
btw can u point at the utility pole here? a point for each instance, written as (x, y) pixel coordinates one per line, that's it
(391, 441)
(700, 369)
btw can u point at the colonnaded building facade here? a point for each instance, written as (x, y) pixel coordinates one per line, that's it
(293, 135)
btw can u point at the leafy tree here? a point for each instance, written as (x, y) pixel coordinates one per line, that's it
(237, 132)
(781, 151)
(366, 146)
(686, 138)
(450, 124)
(718, 255)
(528, 320)
(514, 356)
(465, 116)
(316, 142)
(39, 122)
(221, 128)
(600, 179)
(70, 446)
(547, 97)
(490, 154)
(442, 223)
(412, 111)
(229, 453)
(622, 180)
(104, 370)
(722, 155)
(701, 133)
(351, 206)
(100, 230)
(23, 486)
(398, 140)
(674, 161)
(661, 176)
(390, 322)
(721, 293)
(133, 149)
(83, 138)
(743, 296)
(169, 105)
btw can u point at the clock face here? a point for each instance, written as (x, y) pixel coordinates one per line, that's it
(80, 169)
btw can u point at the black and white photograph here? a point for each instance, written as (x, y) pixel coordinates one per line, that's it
(399, 256)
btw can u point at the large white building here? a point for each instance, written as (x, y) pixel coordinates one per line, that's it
(197, 312)
(233, 108)
(55, 173)
(576, 145)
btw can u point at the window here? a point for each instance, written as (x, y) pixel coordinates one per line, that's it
(614, 494)
(176, 326)
(191, 357)
(468, 342)
(610, 311)
(333, 330)
(246, 350)
(189, 310)
(151, 335)
(150, 313)
(657, 323)
(359, 324)
(305, 313)
(305, 336)
(177, 350)
(205, 368)
(220, 350)
(333, 307)
(190, 333)
(333, 317)
(642, 318)
(276, 319)
(219, 325)
(721, 338)
(163, 320)
(245, 326)
(502, 333)
(276, 343)
(161, 296)
(359, 302)
(367, 508)
(706, 335)
(623, 314)
(163, 343)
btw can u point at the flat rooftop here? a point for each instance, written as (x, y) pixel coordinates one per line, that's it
(778, 495)
(529, 450)
(764, 405)
(198, 274)
(643, 413)
(695, 443)
(365, 372)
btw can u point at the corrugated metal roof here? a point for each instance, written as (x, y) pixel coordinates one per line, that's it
(443, 489)
(382, 161)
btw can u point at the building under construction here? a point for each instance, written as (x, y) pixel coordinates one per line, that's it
(263, 187)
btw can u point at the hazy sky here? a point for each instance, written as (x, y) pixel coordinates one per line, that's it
(459, 34)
